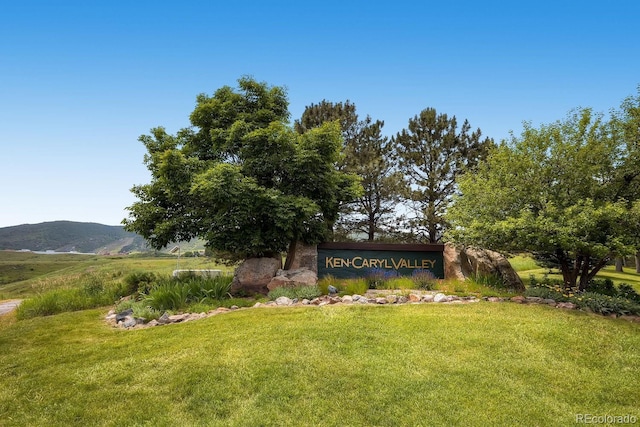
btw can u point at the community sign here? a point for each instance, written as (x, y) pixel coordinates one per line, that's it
(348, 260)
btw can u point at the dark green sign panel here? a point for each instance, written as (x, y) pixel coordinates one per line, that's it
(350, 260)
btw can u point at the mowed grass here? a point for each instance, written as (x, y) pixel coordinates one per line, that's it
(420, 365)
(526, 266)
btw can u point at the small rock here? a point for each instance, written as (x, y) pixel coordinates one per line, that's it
(440, 298)
(177, 318)
(402, 300)
(129, 322)
(549, 301)
(534, 300)
(316, 301)
(566, 305)
(283, 301)
(164, 319)
(347, 299)
(428, 298)
(519, 299)
(306, 302)
(335, 300)
(414, 298)
(258, 304)
(494, 299)
(392, 299)
(362, 300)
(323, 303)
(154, 322)
(123, 315)
(234, 307)
(332, 290)
(381, 300)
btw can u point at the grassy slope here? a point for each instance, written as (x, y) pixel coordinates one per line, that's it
(22, 274)
(479, 364)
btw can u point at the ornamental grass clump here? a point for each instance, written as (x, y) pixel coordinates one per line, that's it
(424, 279)
(378, 278)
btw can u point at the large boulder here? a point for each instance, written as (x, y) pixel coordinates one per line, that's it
(461, 262)
(305, 256)
(254, 274)
(293, 278)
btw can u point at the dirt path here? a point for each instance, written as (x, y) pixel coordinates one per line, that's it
(9, 305)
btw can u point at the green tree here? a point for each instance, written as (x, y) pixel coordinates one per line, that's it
(627, 122)
(240, 178)
(432, 153)
(557, 192)
(368, 155)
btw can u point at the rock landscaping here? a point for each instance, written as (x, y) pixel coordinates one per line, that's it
(126, 319)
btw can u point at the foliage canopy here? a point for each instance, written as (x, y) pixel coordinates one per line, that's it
(240, 177)
(567, 191)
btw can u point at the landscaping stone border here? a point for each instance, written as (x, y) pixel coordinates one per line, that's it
(126, 320)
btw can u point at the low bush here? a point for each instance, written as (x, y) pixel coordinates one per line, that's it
(602, 287)
(424, 279)
(601, 296)
(627, 291)
(139, 282)
(378, 278)
(606, 304)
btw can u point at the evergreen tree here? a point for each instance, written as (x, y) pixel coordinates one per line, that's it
(432, 152)
(367, 154)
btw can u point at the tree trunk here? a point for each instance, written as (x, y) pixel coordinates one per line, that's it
(638, 262)
(371, 227)
(291, 254)
(619, 264)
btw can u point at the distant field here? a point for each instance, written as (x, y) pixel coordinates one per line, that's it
(22, 273)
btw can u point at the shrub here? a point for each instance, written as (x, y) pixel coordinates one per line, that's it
(139, 282)
(377, 278)
(602, 287)
(627, 291)
(607, 305)
(424, 279)
(546, 293)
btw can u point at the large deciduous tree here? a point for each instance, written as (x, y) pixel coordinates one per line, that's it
(368, 155)
(567, 192)
(432, 153)
(240, 177)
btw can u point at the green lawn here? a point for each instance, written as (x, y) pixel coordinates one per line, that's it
(525, 266)
(476, 364)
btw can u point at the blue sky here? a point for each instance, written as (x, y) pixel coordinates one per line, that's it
(81, 80)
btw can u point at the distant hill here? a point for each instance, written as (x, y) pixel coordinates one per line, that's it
(66, 236)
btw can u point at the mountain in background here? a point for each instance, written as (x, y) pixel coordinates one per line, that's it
(68, 236)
